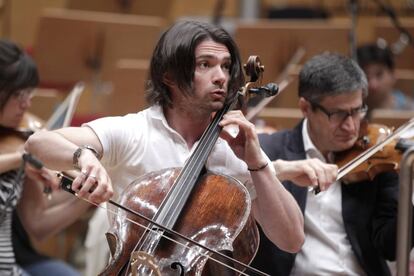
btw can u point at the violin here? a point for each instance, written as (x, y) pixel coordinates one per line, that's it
(377, 150)
(11, 139)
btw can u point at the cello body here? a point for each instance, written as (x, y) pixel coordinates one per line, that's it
(217, 215)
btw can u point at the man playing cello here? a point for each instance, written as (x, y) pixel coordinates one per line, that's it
(194, 68)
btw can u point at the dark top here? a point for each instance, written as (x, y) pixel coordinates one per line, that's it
(369, 211)
(24, 251)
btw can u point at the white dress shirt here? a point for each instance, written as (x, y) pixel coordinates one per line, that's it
(327, 250)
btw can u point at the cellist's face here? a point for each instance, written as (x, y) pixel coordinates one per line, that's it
(14, 109)
(211, 76)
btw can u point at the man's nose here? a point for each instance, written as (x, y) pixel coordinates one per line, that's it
(219, 77)
(349, 124)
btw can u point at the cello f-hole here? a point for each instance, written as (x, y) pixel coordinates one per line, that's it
(178, 265)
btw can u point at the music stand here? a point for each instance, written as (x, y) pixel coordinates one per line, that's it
(64, 113)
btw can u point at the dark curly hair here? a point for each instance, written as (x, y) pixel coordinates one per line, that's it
(372, 53)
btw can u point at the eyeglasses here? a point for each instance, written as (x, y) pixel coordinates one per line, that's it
(338, 117)
(23, 95)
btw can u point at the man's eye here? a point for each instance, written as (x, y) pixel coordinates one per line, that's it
(379, 74)
(203, 65)
(338, 113)
(226, 66)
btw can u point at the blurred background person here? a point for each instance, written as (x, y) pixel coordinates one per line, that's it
(378, 64)
(22, 202)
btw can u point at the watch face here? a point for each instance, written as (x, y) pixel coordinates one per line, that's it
(78, 153)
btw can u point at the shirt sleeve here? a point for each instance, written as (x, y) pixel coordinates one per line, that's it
(116, 134)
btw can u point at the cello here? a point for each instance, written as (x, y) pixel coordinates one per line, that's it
(13, 138)
(210, 212)
(211, 209)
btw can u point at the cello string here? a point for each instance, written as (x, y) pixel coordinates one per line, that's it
(184, 184)
(178, 195)
(197, 160)
(169, 231)
(183, 244)
(176, 198)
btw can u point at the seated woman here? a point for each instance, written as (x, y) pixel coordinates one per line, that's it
(21, 185)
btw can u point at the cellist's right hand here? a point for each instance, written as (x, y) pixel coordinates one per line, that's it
(306, 173)
(93, 182)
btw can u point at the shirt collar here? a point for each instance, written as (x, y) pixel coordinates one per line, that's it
(310, 149)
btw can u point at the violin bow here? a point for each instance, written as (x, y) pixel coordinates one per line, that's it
(66, 185)
(361, 158)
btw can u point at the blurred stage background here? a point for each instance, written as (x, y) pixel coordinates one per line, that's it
(108, 43)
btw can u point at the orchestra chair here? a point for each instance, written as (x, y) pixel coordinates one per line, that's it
(405, 81)
(390, 117)
(280, 118)
(138, 7)
(72, 46)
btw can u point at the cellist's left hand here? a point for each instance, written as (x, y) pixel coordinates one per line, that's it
(243, 141)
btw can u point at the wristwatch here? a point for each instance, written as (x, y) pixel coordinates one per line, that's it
(78, 153)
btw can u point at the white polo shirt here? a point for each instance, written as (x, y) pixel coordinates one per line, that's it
(139, 143)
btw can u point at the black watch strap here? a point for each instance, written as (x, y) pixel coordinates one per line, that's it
(78, 153)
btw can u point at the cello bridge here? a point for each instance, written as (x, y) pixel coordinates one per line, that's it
(142, 261)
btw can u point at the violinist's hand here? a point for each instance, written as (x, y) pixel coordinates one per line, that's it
(93, 183)
(243, 141)
(308, 172)
(45, 176)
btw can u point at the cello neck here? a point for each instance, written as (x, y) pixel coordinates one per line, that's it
(192, 169)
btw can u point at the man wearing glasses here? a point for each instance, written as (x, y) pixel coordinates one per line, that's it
(349, 229)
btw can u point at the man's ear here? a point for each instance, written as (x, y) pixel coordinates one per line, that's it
(167, 80)
(304, 106)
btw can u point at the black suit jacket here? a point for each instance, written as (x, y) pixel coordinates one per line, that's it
(369, 211)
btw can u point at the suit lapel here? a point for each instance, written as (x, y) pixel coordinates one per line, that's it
(295, 151)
